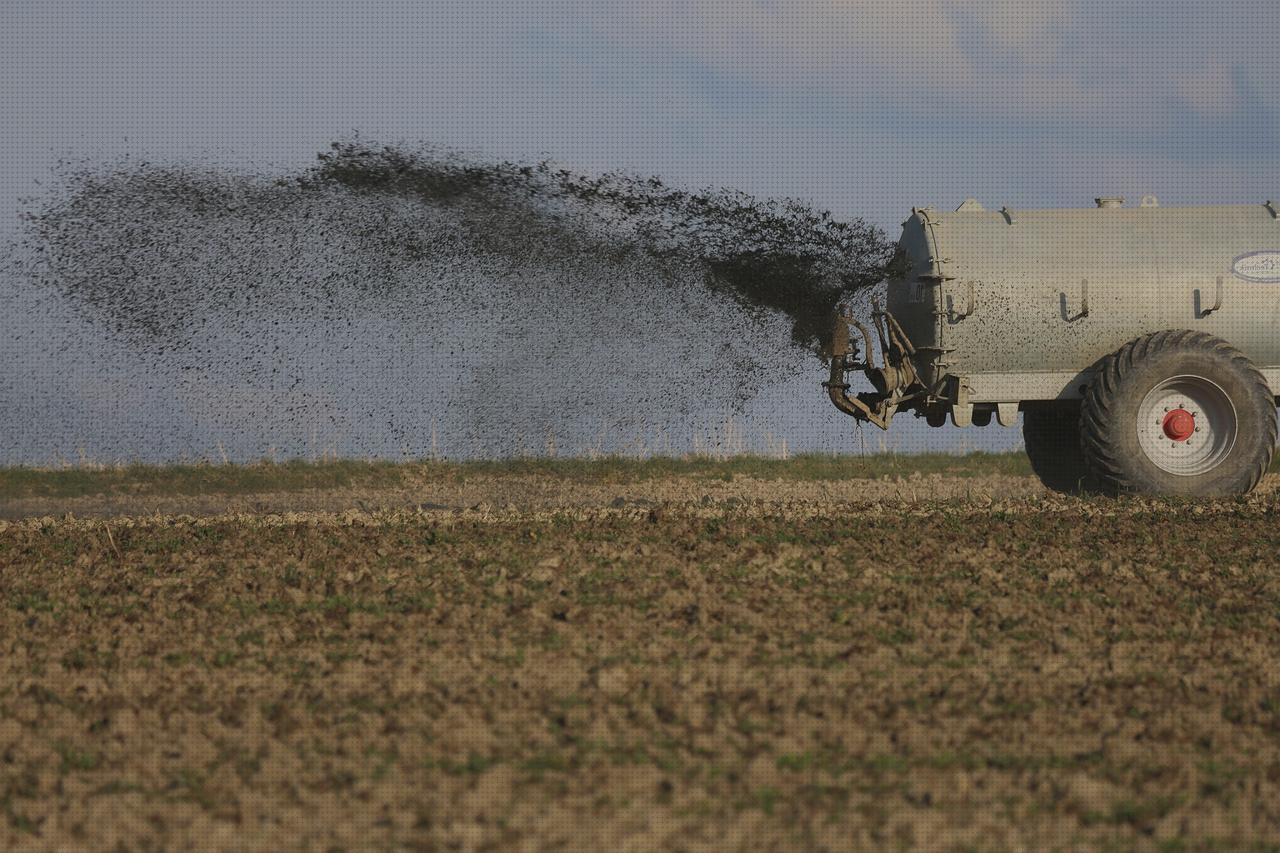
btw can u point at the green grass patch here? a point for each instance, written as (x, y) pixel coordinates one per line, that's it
(76, 759)
(296, 476)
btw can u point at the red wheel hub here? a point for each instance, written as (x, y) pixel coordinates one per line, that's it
(1179, 425)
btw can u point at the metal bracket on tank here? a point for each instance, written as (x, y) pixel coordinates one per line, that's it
(1084, 303)
(1217, 301)
(971, 305)
(962, 409)
(936, 260)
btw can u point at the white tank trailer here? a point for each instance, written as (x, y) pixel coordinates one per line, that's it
(1140, 343)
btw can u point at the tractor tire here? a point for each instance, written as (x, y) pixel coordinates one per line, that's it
(1051, 433)
(1177, 413)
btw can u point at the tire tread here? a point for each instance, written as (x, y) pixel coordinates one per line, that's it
(1098, 440)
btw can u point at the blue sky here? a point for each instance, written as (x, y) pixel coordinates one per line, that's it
(866, 108)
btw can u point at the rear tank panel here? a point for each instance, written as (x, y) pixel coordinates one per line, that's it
(913, 293)
(1017, 300)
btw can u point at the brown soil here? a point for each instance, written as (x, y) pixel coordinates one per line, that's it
(778, 666)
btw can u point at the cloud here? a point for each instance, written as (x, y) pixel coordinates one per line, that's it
(1112, 65)
(775, 95)
(792, 41)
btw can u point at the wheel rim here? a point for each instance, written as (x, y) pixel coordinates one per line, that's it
(1187, 425)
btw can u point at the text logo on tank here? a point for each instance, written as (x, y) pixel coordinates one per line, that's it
(1258, 266)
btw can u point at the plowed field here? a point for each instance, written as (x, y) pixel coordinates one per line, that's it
(688, 663)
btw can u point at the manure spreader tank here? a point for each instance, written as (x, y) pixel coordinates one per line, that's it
(1141, 344)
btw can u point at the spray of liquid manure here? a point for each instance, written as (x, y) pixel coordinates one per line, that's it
(387, 297)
